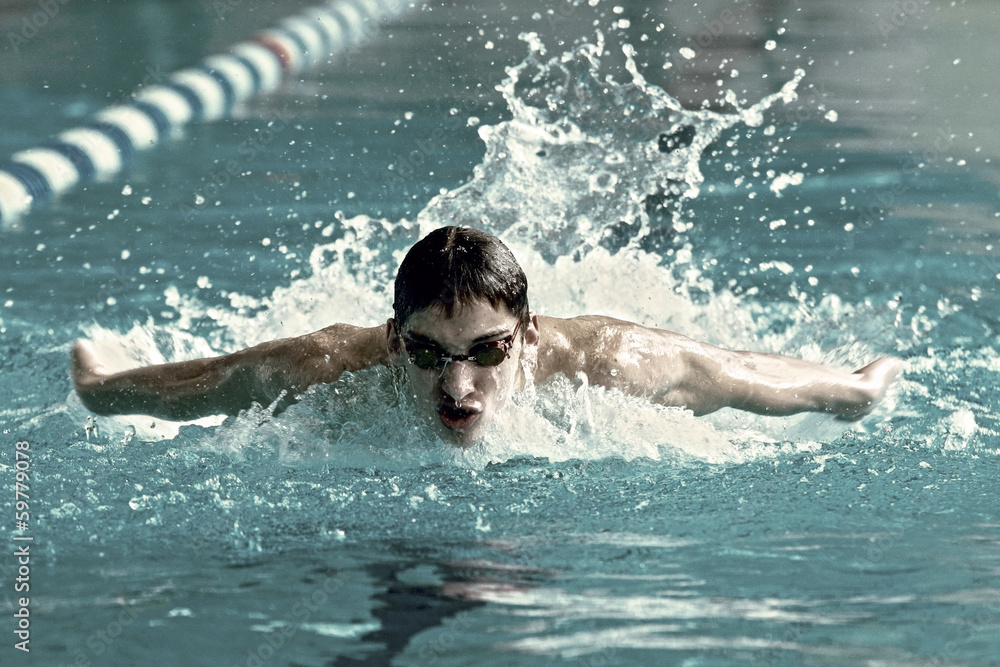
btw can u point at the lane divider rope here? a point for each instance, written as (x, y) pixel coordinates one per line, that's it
(104, 146)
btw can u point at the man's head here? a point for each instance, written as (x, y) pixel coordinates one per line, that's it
(461, 326)
(455, 265)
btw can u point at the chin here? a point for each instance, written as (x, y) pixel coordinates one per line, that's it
(461, 439)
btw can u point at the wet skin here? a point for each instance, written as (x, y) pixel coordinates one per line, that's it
(461, 399)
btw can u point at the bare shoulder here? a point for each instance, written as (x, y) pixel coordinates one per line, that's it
(355, 347)
(562, 343)
(610, 351)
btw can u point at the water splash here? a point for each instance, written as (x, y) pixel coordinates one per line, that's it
(570, 183)
(585, 157)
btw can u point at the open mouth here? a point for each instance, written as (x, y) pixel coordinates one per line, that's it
(457, 419)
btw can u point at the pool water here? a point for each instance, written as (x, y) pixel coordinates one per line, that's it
(840, 204)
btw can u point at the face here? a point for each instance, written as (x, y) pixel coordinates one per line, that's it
(461, 397)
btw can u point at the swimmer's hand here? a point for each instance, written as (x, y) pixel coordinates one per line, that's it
(871, 384)
(230, 383)
(87, 373)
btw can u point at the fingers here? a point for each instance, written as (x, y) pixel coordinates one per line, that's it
(874, 381)
(888, 367)
(880, 373)
(86, 367)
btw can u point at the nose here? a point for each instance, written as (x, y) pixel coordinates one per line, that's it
(458, 380)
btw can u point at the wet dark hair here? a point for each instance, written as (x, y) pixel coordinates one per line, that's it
(454, 265)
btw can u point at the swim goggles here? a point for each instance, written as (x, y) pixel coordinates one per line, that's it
(484, 354)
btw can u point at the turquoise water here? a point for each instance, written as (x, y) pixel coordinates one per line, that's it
(589, 528)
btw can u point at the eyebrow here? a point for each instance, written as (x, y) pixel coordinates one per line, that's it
(485, 338)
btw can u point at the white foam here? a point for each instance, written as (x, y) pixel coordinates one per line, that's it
(534, 189)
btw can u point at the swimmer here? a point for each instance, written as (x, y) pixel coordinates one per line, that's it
(462, 331)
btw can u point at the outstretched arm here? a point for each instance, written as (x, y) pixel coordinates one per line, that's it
(230, 383)
(673, 370)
